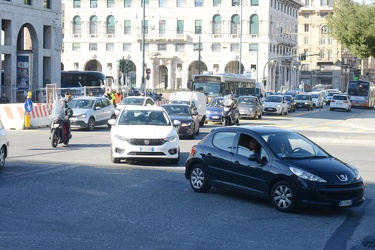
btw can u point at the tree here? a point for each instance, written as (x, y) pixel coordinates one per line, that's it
(353, 26)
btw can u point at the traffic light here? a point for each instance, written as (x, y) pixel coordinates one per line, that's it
(302, 56)
(121, 66)
(264, 83)
(128, 66)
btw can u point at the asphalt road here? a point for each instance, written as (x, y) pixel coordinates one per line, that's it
(74, 197)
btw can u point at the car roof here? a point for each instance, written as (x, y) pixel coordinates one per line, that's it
(256, 129)
(251, 96)
(87, 97)
(137, 96)
(139, 107)
(176, 104)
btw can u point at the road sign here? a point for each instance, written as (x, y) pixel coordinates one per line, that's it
(148, 71)
(28, 105)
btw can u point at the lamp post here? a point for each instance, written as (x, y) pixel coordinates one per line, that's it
(240, 61)
(143, 46)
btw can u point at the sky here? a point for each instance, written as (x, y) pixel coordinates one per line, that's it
(366, 1)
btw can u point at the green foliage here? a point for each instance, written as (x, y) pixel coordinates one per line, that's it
(353, 26)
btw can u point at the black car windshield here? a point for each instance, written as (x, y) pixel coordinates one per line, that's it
(302, 97)
(143, 117)
(177, 110)
(293, 145)
(273, 98)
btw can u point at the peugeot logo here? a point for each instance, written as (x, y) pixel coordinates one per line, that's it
(342, 177)
(146, 142)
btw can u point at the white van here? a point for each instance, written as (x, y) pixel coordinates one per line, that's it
(196, 100)
(318, 99)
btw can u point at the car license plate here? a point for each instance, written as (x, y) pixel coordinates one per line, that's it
(215, 117)
(345, 203)
(146, 149)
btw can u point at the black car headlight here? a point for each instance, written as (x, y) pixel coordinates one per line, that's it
(186, 124)
(306, 175)
(355, 171)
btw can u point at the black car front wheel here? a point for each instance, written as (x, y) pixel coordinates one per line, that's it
(198, 179)
(282, 196)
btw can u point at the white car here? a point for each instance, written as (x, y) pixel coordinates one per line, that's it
(144, 132)
(318, 99)
(4, 144)
(340, 101)
(134, 100)
(275, 104)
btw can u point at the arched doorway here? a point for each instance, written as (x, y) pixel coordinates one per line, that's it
(233, 67)
(196, 68)
(93, 65)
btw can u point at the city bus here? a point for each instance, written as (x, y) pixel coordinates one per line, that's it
(361, 93)
(223, 84)
(94, 81)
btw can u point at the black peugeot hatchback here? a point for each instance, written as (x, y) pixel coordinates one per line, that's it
(284, 167)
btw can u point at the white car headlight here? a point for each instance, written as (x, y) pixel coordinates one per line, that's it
(82, 116)
(306, 175)
(208, 112)
(172, 138)
(121, 138)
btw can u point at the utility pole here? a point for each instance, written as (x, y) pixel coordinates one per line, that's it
(143, 46)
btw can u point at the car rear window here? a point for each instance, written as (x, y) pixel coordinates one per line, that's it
(339, 97)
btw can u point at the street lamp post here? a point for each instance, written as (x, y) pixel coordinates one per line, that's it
(143, 46)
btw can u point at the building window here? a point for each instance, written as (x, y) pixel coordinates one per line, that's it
(180, 47)
(306, 41)
(93, 3)
(93, 25)
(93, 46)
(234, 47)
(110, 46)
(180, 3)
(329, 54)
(162, 3)
(216, 47)
(254, 24)
(217, 3)
(110, 25)
(76, 46)
(235, 24)
(236, 2)
(147, 2)
(197, 46)
(216, 24)
(198, 3)
(162, 27)
(306, 27)
(76, 3)
(47, 4)
(110, 3)
(180, 26)
(127, 27)
(127, 47)
(145, 27)
(254, 2)
(162, 47)
(321, 53)
(127, 3)
(198, 26)
(322, 40)
(330, 40)
(325, 30)
(77, 25)
(28, 2)
(253, 47)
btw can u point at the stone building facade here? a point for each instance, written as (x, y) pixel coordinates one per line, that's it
(30, 46)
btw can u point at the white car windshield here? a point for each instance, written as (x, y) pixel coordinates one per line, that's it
(143, 117)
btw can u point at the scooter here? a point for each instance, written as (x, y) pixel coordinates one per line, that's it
(229, 116)
(60, 131)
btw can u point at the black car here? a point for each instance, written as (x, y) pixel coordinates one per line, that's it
(188, 117)
(289, 170)
(291, 103)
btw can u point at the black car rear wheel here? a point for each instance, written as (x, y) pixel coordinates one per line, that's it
(198, 179)
(282, 196)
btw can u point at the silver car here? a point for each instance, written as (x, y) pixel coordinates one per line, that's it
(90, 111)
(250, 107)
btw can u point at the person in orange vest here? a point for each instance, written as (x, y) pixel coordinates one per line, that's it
(118, 97)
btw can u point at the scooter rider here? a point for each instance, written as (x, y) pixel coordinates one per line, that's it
(68, 112)
(232, 104)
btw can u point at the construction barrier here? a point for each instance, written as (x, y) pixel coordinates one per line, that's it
(13, 115)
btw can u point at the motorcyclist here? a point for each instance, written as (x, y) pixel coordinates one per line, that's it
(68, 112)
(232, 104)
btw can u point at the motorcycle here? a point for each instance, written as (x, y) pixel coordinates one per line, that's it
(60, 130)
(230, 114)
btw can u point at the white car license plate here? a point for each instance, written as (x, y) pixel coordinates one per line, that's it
(146, 149)
(345, 203)
(215, 117)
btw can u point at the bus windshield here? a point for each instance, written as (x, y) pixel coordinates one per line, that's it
(358, 88)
